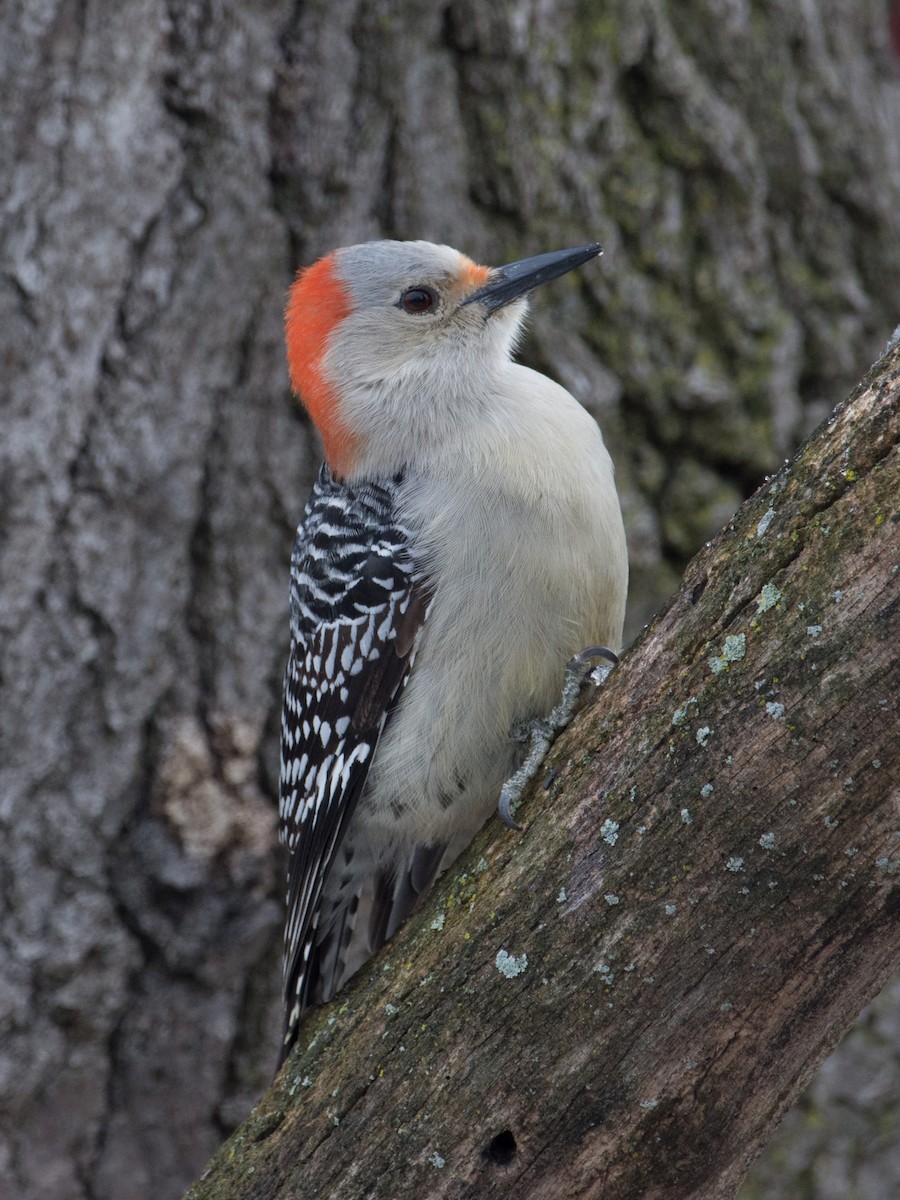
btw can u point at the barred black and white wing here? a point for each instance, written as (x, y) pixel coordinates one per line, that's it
(357, 604)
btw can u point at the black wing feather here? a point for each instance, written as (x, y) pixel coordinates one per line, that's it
(357, 604)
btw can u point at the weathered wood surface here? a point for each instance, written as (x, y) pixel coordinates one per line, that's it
(622, 1001)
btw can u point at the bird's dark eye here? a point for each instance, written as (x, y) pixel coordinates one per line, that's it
(418, 300)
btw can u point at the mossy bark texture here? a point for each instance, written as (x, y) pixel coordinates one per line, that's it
(622, 1001)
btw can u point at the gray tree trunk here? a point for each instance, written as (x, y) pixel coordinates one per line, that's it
(164, 168)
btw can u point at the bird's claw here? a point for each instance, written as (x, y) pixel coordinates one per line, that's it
(542, 733)
(504, 807)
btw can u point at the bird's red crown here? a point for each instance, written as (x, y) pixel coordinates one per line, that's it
(317, 302)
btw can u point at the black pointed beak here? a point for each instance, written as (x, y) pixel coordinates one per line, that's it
(515, 279)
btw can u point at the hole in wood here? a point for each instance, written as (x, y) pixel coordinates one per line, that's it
(501, 1149)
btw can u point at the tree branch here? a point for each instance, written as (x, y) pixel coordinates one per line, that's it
(623, 1000)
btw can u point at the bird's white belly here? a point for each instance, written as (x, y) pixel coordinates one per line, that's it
(506, 581)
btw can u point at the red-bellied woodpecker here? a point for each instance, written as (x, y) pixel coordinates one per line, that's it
(462, 542)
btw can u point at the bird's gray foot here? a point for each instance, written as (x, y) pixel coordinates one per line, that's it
(540, 734)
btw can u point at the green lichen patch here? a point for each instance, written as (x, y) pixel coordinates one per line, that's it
(733, 650)
(768, 597)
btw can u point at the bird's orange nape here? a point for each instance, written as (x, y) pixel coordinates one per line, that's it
(317, 302)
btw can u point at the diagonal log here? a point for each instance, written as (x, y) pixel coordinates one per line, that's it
(624, 999)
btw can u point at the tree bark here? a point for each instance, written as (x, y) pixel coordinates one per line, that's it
(166, 165)
(623, 1001)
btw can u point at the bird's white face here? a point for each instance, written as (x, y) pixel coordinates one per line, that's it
(413, 319)
(392, 344)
